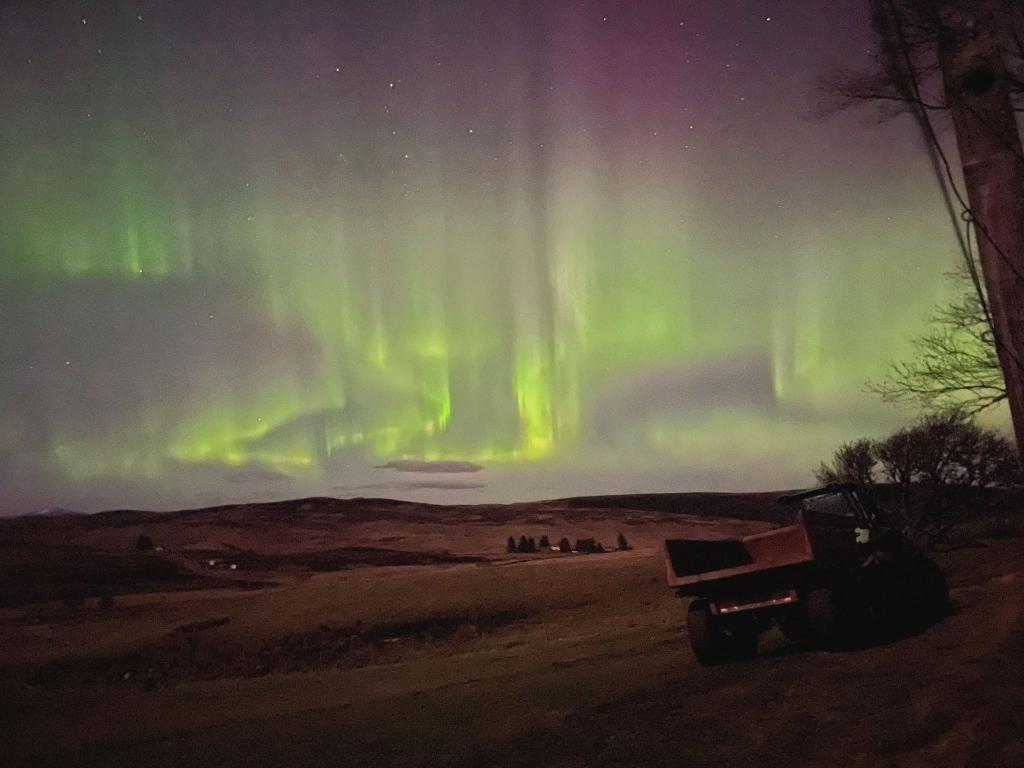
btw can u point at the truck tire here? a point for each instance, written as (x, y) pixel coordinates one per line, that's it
(706, 638)
(823, 615)
(717, 639)
(885, 593)
(930, 591)
(794, 624)
(743, 641)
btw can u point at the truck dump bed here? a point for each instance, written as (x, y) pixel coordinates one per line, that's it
(697, 566)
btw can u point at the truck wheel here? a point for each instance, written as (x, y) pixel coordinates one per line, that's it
(885, 597)
(795, 626)
(717, 639)
(930, 590)
(706, 637)
(742, 642)
(823, 614)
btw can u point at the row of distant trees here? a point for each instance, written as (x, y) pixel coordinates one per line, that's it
(932, 476)
(527, 544)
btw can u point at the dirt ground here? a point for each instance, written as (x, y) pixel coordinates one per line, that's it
(572, 660)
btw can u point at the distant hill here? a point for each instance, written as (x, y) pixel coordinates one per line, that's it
(62, 555)
(761, 505)
(55, 512)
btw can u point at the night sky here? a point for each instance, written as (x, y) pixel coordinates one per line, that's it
(255, 249)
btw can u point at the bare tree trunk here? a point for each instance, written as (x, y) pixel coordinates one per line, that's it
(972, 50)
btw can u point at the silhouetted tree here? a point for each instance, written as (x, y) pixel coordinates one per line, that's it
(143, 543)
(511, 545)
(623, 544)
(564, 545)
(955, 367)
(937, 466)
(896, 454)
(526, 545)
(853, 462)
(964, 57)
(544, 542)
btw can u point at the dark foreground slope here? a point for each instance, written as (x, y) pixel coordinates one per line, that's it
(453, 653)
(579, 661)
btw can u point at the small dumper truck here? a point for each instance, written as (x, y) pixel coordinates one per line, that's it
(835, 575)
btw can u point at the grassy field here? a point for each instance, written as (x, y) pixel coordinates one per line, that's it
(572, 660)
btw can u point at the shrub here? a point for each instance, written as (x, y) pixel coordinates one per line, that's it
(526, 545)
(623, 544)
(511, 545)
(852, 462)
(143, 543)
(564, 545)
(544, 542)
(936, 474)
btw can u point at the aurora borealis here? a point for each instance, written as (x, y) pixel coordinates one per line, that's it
(257, 249)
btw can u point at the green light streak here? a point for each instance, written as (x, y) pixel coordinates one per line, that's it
(464, 325)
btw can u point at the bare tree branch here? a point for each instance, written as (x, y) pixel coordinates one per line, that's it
(955, 368)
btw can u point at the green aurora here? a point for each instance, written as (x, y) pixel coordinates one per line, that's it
(486, 259)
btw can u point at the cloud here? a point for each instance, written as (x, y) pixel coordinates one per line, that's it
(682, 390)
(417, 485)
(430, 467)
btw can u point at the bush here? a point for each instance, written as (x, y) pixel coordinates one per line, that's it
(935, 474)
(144, 543)
(852, 463)
(544, 542)
(511, 545)
(526, 545)
(564, 545)
(623, 544)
